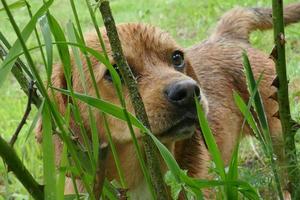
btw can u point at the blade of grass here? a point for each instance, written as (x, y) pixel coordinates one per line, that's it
(17, 47)
(232, 175)
(110, 192)
(117, 85)
(118, 88)
(150, 150)
(117, 112)
(48, 156)
(116, 81)
(67, 66)
(46, 33)
(73, 35)
(287, 123)
(55, 113)
(18, 62)
(104, 106)
(61, 178)
(249, 118)
(259, 108)
(36, 35)
(210, 141)
(15, 5)
(81, 40)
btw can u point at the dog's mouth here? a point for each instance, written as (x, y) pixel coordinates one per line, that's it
(182, 129)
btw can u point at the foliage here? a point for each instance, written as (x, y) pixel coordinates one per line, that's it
(228, 182)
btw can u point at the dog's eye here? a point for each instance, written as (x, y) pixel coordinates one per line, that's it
(178, 60)
(107, 74)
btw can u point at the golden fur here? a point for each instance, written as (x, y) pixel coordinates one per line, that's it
(148, 51)
(215, 63)
(218, 64)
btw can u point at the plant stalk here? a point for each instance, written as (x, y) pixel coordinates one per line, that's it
(21, 78)
(283, 101)
(15, 165)
(130, 81)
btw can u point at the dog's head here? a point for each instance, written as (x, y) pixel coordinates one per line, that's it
(165, 79)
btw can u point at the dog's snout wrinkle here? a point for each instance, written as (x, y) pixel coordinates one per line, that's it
(181, 93)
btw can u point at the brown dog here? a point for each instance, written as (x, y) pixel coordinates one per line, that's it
(217, 63)
(163, 70)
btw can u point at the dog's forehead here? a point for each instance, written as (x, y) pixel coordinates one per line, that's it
(145, 37)
(143, 45)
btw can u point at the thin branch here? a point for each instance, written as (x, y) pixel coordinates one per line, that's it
(130, 81)
(25, 116)
(18, 62)
(16, 166)
(20, 76)
(283, 101)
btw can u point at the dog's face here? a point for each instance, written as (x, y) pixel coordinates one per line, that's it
(163, 75)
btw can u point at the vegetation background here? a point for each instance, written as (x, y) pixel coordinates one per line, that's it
(189, 22)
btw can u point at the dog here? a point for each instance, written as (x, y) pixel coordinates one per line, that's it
(218, 65)
(166, 88)
(168, 76)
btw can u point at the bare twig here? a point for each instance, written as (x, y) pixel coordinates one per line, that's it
(283, 101)
(18, 62)
(130, 81)
(25, 116)
(20, 76)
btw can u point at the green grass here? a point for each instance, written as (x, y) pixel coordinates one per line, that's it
(188, 21)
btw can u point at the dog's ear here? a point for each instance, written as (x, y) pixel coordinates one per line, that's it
(58, 81)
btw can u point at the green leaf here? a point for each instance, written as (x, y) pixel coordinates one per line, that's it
(46, 32)
(62, 174)
(210, 141)
(74, 196)
(71, 31)
(245, 188)
(118, 112)
(106, 107)
(232, 175)
(109, 191)
(259, 108)
(244, 110)
(48, 156)
(15, 5)
(258, 105)
(173, 184)
(62, 47)
(17, 48)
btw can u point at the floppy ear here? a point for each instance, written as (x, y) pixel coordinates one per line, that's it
(58, 81)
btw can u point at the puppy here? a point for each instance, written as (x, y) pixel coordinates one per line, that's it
(167, 76)
(165, 80)
(217, 63)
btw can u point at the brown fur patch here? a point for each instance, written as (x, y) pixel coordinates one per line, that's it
(148, 51)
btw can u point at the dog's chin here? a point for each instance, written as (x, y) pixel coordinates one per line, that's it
(181, 130)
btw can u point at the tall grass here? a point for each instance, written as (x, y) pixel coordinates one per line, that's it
(82, 160)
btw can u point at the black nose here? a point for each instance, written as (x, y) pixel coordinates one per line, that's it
(182, 93)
